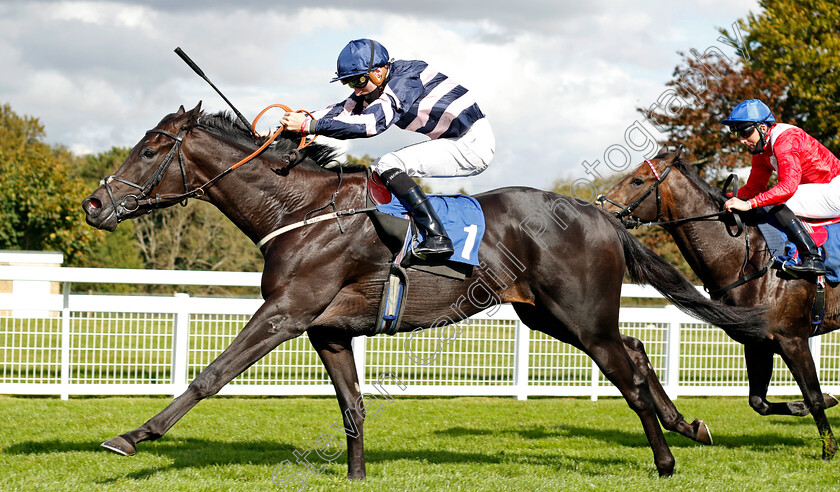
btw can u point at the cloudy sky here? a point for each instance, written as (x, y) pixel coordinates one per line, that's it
(560, 80)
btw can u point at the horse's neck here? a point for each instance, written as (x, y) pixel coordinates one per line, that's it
(709, 251)
(259, 201)
(714, 255)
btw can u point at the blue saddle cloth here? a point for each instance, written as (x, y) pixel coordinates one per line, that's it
(462, 218)
(785, 253)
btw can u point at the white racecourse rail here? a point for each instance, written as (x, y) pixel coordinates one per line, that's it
(71, 344)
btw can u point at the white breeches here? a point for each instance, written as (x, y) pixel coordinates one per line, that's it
(816, 200)
(445, 157)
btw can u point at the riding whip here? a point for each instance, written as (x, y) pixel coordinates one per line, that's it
(200, 73)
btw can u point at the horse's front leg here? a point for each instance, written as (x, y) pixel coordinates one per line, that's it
(337, 355)
(668, 414)
(268, 328)
(797, 355)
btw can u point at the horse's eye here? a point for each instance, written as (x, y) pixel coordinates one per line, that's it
(148, 153)
(637, 182)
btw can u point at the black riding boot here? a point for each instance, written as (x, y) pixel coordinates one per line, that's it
(437, 243)
(812, 262)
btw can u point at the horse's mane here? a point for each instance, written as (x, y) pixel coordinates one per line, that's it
(224, 125)
(689, 171)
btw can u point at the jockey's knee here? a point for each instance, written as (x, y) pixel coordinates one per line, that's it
(387, 162)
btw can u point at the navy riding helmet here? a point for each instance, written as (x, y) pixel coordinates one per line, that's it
(359, 57)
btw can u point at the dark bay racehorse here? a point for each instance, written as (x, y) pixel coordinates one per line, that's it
(317, 280)
(667, 189)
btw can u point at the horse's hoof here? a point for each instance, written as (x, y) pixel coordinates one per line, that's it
(798, 408)
(704, 435)
(829, 400)
(119, 445)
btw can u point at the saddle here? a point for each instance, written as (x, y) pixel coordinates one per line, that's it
(826, 235)
(395, 227)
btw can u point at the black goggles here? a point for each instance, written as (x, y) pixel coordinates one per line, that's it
(357, 81)
(744, 131)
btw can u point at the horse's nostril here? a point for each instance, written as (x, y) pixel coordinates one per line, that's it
(92, 205)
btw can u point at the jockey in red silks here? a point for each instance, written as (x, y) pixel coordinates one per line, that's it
(808, 183)
(415, 97)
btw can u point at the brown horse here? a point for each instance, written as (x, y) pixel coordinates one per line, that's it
(667, 190)
(564, 281)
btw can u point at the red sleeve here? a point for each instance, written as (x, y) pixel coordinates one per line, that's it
(786, 150)
(759, 177)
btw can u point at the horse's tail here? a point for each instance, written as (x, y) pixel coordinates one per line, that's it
(646, 267)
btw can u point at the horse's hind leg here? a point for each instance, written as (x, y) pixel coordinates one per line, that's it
(337, 355)
(797, 355)
(615, 363)
(598, 336)
(668, 414)
(759, 361)
(267, 329)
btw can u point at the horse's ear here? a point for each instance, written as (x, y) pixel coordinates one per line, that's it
(678, 153)
(193, 114)
(180, 110)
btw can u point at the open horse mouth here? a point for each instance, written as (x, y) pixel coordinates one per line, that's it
(99, 216)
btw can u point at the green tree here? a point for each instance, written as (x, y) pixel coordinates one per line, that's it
(797, 43)
(703, 92)
(39, 203)
(97, 166)
(791, 64)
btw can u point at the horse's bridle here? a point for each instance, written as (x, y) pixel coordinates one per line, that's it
(290, 158)
(625, 213)
(122, 207)
(633, 222)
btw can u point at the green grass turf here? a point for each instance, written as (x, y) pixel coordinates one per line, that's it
(414, 444)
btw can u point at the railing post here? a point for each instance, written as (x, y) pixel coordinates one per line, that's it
(816, 353)
(672, 352)
(180, 345)
(358, 344)
(594, 381)
(65, 343)
(521, 353)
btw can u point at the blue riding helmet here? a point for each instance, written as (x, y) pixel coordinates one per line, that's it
(750, 111)
(359, 57)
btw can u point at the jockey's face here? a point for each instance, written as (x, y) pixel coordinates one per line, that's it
(752, 140)
(370, 86)
(365, 89)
